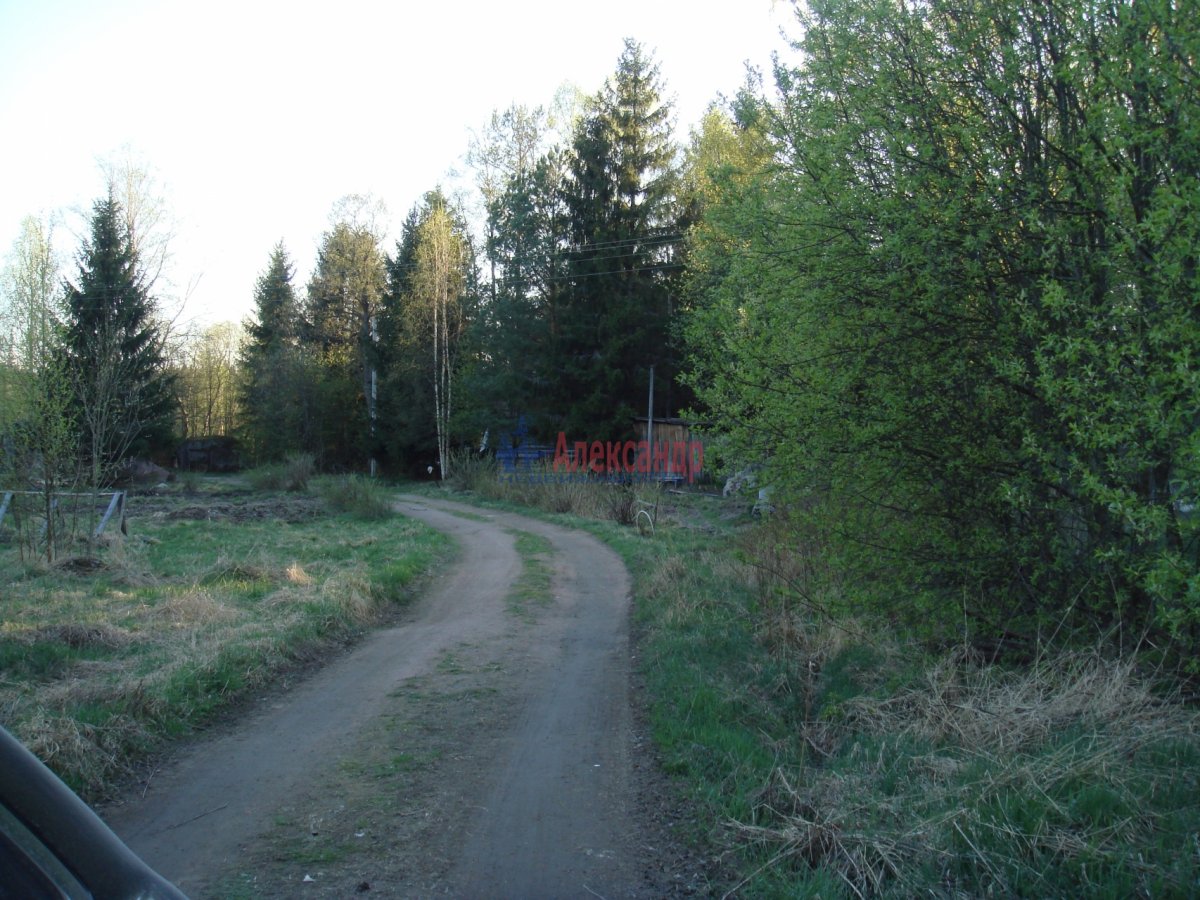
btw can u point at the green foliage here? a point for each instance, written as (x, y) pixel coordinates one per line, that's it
(952, 310)
(519, 327)
(583, 245)
(425, 336)
(39, 441)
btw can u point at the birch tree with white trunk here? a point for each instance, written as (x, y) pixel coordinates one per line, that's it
(438, 286)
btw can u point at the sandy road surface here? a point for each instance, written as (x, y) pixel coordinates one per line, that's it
(538, 785)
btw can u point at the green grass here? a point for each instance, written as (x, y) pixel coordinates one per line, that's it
(532, 589)
(186, 616)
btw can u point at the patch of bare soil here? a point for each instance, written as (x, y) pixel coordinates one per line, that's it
(467, 752)
(232, 503)
(283, 509)
(395, 813)
(81, 565)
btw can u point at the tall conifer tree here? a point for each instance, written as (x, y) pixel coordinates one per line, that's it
(340, 319)
(115, 349)
(620, 200)
(275, 388)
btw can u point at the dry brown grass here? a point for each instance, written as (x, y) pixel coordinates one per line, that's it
(999, 741)
(864, 860)
(79, 635)
(349, 590)
(295, 574)
(250, 568)
(571, 493)
(95, 753)
(196, 606)
(985, 706)
(680, 586)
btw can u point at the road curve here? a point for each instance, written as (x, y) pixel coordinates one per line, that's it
(559, 821)
(554, 815)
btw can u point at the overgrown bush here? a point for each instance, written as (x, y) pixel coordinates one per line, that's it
(621, 503)
(469, 471)
(971, 372)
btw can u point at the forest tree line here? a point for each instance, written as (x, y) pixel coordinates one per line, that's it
(937, 280)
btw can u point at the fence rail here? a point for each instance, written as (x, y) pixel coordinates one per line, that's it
(116, 505)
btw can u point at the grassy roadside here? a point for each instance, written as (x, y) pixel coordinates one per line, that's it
(218, 590)
(832, 758)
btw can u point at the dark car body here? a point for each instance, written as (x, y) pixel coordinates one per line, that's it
(53, 845)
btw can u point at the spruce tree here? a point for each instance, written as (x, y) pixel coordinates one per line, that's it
(522, 324)
(114, 349)
(406, 436)
(275, 391)
(619, 197)
(277, 313)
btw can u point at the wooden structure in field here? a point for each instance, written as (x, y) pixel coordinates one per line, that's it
(671, 432)
(208, 454)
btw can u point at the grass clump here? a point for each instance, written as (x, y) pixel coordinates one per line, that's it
(1073, 777)
(293, 474)
(844, 761)
(361, 498)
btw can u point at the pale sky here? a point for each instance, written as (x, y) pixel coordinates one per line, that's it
(257, 116)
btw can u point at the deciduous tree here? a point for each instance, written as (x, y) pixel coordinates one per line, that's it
(206, 382)
(952, 314)
(38, 441)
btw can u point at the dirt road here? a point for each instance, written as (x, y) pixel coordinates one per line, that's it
(485, 747)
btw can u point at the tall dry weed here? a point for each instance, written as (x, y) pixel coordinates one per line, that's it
(349, 591)
(987, 706)
(94, 754)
